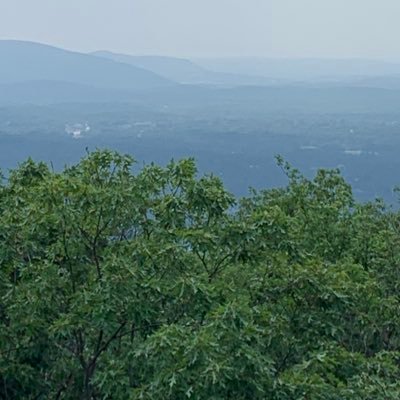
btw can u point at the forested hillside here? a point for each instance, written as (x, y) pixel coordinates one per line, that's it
(119, 282)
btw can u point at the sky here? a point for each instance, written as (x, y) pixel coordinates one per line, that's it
(211, 28)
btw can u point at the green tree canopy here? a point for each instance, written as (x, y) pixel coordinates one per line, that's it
(157, 284)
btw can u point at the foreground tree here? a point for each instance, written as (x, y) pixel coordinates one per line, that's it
(157, 285)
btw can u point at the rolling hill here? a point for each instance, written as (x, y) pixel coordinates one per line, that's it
(27, 61)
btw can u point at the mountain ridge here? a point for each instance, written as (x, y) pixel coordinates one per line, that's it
(184, 70)
(49, 63)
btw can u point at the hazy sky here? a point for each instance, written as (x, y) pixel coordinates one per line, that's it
(277, 28)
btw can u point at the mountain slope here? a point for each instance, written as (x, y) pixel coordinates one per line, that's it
(53, 92)
(27, 61)
(184, 71)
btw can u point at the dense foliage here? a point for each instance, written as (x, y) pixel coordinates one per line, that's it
(159, 285)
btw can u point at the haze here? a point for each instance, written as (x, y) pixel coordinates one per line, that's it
(210, 28)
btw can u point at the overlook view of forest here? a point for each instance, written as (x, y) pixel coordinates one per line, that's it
(199, 200)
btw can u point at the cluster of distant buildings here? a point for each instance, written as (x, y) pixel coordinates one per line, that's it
(77, 130)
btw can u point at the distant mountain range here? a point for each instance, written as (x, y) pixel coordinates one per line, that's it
(26, 61)
(40, 74)
(186, 71)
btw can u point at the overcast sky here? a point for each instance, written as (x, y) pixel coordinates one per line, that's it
(272, 28)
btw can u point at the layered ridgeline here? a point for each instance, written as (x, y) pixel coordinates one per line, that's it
(157, 284)
(56, 75)
(32, 66)
(186, 71)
